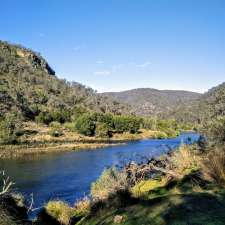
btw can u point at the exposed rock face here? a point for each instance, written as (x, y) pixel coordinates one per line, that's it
(24, 56)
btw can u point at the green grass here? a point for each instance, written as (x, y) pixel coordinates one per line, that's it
(178, 209)
(177, 203)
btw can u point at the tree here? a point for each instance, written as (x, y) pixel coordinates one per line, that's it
(126, 123)
(9, 127)
(214, 130)
(102, 130)
(85, 125)
(44, 117)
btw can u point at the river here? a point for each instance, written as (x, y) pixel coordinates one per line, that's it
(68, 175)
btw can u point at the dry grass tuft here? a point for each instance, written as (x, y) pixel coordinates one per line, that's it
(82, 207)
(213, 166)
(60, 211)
(183, 162)
(109, 182)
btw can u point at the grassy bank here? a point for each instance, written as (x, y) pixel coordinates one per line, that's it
(37, 139)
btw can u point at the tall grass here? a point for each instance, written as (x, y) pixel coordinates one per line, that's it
(109, 182)
(213, 166)
(60, 211)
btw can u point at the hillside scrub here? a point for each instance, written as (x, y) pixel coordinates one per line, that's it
(214, 130)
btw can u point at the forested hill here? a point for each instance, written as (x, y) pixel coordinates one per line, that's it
(210, 105)
(213, 102)
(147, 101)
(28, 86)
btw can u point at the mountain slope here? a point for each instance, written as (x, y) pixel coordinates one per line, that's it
(208, 106)
(213, 102)
(28, 85)
(147, 101)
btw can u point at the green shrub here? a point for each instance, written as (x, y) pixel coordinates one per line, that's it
(171, 133)
(44, 117)
(126, 123)
(85, 125)
(78, 111)
(55, 124)
(47, 117)
(71, 126)
(61, 116)
(104, 118)
(102, 130)
(9, 128)
(149, 123)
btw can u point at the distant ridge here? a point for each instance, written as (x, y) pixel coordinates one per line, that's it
(149, 101)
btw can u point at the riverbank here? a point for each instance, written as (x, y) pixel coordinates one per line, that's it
(37, 139)
(163, 191)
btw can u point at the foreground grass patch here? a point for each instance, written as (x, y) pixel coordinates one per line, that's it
(181, 209)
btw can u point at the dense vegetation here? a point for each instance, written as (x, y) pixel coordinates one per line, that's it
(28, 86)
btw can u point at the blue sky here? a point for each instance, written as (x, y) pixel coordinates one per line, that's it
(114, 45)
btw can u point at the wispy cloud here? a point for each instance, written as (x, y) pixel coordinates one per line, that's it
(102, 72)
(77, 48)
(100, 61)
(143, 65)
(117, 67)
(41, 35)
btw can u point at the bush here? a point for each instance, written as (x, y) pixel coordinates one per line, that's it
(85, 125)
(183, 162)
(70, 126)
(126, 123)
(149, 123)
(109, 182)
(104, 118)
(47, 117)
(55, 124)
(9, 129)
(60, 211)
(60, 116)
(44, 117)
(171, 133)
(102, 130)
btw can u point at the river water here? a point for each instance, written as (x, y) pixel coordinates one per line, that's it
(68, 175)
